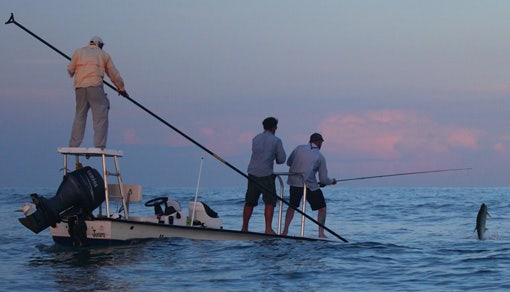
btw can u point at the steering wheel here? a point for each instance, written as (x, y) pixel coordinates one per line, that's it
(156, 201)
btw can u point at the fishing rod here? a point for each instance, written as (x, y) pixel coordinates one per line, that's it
(404, 173)
(11, 20)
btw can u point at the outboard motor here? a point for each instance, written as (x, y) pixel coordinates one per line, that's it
(81, 191)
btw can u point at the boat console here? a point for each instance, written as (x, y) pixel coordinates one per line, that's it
(169, 212)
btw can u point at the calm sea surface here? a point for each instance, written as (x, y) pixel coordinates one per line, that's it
(406, 239)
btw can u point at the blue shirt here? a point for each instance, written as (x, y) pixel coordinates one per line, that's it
(265, 149)
(306, 161)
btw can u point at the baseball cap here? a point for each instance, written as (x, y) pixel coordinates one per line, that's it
(95, 40)
(316, 137)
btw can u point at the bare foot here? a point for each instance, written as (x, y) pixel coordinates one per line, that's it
(322, 236)
(270, 231)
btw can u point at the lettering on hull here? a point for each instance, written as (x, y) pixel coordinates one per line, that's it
(98, 235)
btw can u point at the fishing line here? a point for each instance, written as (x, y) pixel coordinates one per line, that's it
(404, 173)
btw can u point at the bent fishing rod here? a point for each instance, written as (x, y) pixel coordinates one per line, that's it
(11, 20)
(403, 173)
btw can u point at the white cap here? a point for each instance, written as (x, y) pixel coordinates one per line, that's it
(95, 40)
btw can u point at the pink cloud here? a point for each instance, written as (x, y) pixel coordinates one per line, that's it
(225, 140)
(464, 138)
(500, 147)
(130, 137)
(503, 145)
(392, 135)
(208, 132)
(246, 137)
(134, 137)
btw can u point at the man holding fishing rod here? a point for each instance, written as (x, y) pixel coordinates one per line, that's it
(88, 66)
(305, 162)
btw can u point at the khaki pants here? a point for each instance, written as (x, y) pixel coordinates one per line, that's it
(95, 99)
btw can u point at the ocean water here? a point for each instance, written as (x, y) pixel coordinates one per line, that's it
(400, 239)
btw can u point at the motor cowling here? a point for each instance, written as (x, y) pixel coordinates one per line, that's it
(81, 191)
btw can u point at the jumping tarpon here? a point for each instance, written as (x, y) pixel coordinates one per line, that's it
(481, 219)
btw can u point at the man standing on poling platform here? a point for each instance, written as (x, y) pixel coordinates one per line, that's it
(88, 66)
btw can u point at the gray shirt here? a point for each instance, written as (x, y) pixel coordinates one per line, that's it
(266, 148)
(306, 161)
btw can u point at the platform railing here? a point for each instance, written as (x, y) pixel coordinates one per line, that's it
(103, 154)
(303, 201)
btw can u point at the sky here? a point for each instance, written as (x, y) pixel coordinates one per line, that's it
(393, 87)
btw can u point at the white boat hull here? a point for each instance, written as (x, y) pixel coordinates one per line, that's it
(114, 231)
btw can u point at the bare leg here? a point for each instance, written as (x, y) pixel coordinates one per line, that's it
(288, 218)
(248, 210)
(268, 214)
(321, 217)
